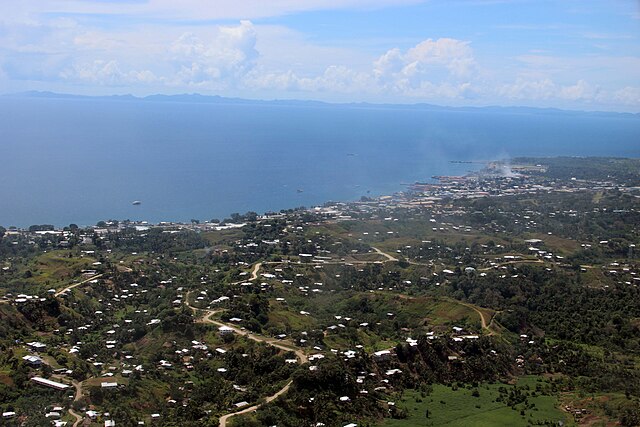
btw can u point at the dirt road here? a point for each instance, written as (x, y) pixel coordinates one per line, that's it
(225, 418)
(282, 345)
(302, 358)
(384, 254)
(68, 288)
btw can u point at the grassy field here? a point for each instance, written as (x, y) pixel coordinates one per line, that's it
(53, 269)
(222, 237)
(557, 244)
(288, 320)
(433, 311)
(56, 266)
(460, 408)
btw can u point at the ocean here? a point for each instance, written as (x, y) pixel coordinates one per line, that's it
(81, 160)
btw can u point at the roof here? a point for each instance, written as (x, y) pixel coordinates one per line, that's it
(49, 383)
(32, 359)
(109, 385)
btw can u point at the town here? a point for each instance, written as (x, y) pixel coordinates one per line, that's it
(513, 288)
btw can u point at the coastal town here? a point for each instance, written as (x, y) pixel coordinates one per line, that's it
(132, 323)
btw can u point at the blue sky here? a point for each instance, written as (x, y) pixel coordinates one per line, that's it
(577, 54)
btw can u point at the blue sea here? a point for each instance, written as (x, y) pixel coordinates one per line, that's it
(67, 160)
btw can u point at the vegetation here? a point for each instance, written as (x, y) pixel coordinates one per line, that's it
(513, 310)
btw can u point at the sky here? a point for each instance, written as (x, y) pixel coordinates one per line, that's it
(571, 54)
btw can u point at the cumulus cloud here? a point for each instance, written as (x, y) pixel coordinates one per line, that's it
(222, 60)
(271, 59)
(579, 91)
(442, 67)
(212, 61)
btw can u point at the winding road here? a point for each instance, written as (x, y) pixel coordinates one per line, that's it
(483, 318)
(254, 272)
(225, 418)
(300, 355)
(285, 346)
(77, 385)
(282, 345)
(78, 395)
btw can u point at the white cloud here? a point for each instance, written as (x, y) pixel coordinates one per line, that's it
(628, 96)
(341, 79)
(153, 50)
(579, 91)
(441, 67)
(219, 61)
(432, 69)
(107, 73)
(334, 79)
(547, 89)
(455, 55)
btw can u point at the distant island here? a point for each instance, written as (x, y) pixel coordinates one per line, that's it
(216, 99)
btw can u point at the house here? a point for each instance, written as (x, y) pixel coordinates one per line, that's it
(34, 361)
(36, 346)
(225, 330)
(49, 383)
(382, 354)
(109, 385)
(92, 414)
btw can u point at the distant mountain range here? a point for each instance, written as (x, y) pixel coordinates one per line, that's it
(196, 98)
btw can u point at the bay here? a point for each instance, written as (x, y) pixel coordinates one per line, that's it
(67, 160)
